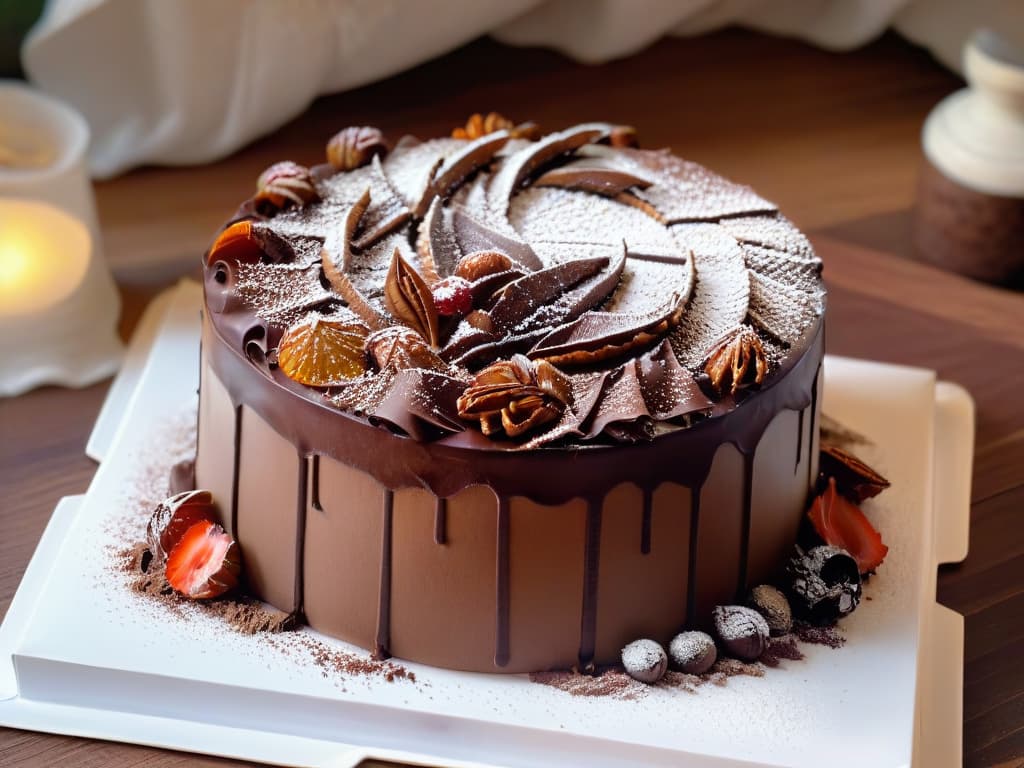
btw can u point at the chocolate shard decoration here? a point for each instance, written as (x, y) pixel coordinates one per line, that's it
(457, 167)
(623, 402)
(473, 235)
(467, 339)
(388, 212)
(484, 289)
(854, 478)
(523, 163)
(422, 403)
(669, 389)
(588, 294)
(468, 345)
(587, 388)
(593, 177)
(408, 298)
(597, 336)
(438, 248)
(336, 259)
(520, 299)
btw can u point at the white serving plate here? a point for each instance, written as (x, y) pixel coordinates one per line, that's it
(81, 655)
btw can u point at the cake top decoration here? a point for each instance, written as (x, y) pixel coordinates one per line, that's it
(558, 289)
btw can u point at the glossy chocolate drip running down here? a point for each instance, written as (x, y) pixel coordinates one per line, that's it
(491, 386)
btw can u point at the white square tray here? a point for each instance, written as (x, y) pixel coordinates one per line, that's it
(77, 655)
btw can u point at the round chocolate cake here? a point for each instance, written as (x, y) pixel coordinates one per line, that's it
(504, 402)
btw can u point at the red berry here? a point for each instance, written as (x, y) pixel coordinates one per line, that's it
(204, 563)
(840, 523)
(453, 296)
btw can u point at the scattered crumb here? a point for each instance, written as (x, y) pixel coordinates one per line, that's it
(830, 636)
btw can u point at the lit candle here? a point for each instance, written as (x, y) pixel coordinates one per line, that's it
(44, 255)
(58, 302)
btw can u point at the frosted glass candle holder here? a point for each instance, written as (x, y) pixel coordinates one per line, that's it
(58, 303)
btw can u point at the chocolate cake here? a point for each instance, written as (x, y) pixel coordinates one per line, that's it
(503, 402)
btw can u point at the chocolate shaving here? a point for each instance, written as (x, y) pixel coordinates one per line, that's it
(473, 235)
(437, 247)
(590, 177)
(524, 162)
(388, 213)
(456, 168)
(336, 257)
(597, 336)
(422, 404)
(520, 298)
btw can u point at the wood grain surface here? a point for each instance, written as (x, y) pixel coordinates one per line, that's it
(833, 139)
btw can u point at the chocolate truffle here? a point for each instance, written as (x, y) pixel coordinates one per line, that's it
(692, 652)
(742, 631)
(645, 660)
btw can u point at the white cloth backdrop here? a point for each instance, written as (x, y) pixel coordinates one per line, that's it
(189, 81)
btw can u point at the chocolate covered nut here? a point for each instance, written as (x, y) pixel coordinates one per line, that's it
(692, 652)
(773, 605)
(645, 660)
(742, 631)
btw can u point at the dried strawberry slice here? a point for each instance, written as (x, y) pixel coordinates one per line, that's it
(205, 563)
(173, 516)
(842, 524)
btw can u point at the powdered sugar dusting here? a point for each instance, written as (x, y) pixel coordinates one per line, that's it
(282, 293)
(693, 242)
(721, 297)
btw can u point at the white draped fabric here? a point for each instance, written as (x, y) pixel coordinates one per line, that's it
(189, 81)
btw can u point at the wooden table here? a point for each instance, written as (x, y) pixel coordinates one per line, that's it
(833, 139)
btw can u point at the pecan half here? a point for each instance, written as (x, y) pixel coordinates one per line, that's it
(480, 125)
(515, 396)
(854, 479)
(737, 361)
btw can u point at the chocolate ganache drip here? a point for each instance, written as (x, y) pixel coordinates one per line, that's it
(628, 292)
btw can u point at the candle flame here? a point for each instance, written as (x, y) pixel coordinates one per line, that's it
(15, 265)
